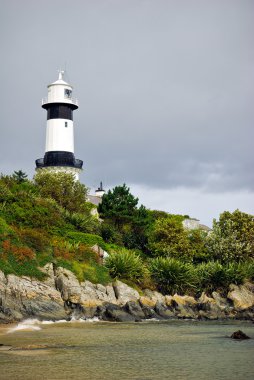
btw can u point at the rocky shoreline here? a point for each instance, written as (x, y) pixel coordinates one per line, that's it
(61, 296)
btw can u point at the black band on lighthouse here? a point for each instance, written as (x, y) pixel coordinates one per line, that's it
(59, 158)
(59, 111)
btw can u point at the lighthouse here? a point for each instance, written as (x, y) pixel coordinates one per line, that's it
(59, 150)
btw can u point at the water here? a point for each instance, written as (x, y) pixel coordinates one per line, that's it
(179, 350)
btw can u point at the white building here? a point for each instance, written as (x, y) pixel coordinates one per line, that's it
(59, 149)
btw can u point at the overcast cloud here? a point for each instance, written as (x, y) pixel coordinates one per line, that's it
(165, 91)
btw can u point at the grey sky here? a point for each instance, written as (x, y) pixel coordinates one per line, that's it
(165, 91)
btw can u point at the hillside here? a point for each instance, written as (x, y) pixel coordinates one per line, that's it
(48, 220)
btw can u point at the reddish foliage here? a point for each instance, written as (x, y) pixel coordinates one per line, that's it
(20, 253)
(63, 253)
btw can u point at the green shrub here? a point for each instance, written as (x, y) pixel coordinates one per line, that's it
(88, 239)
(214, 276)
(5, 230)
(126, 264)
(83, 222)
(248, 268)
(97, 274)
(5, 193)
(93, 272)
(110, 233)
(172, 276)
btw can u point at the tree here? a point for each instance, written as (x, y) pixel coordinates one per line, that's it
(197, 240)
(19, 176)
(232, 237)
(63, 188)
(168, 238)
(119, 205)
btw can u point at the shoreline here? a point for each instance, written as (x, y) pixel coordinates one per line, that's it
(63, 297)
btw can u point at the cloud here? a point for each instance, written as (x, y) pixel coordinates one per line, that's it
(165, 90)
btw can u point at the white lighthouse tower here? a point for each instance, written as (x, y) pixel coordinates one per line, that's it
(59, 151)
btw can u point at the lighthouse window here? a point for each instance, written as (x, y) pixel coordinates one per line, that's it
(59, 111)
(65, 124)
(67, 93)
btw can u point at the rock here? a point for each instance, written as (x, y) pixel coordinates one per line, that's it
(184, 300)
(68, 285)
(134, 309)
(204, 299)
(208, 309)
(239, 335)
(169, 300)
(147, 302)
(22, 297)
(241, 296)
(150, 313)
(124, 293)
(162, 310)
(111, 294)
(44, 309)
(154, 296)
(89, 295)
(49, 271)
(220, 301)
(183, 306)
(117, 314)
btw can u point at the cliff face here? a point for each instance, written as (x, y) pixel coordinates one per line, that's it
(61, 296)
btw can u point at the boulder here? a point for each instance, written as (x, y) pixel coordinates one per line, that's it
(184, 300)
(89, 295)
(124, 293)
(44, 309)
(134, 309)
(117, 314)
(147, 302)
(208, 309)
(241, 296)
(239, 335)
(23, 297)
(154, 296)
(68, 285)
(150, 313)
(111, 294)
(162, 310)
(49, 271)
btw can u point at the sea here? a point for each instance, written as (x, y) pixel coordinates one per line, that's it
(154, 350)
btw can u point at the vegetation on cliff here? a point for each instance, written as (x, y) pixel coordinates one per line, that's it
(49, 220)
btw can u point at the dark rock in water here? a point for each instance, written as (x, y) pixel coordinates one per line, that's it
(163, 311)
(44, 309)
(150, 313)
(117, 314)
(239, 335)
(134, 309)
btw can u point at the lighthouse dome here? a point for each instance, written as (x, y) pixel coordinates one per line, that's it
(60, 92)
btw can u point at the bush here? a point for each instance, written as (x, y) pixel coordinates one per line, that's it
(127, 265)
(93, 272)
(5, 230)
(248, 268)
(169, 239)
(83, 222)
(110, 234)
(88, 239)
(172, 276)
(214, 276)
